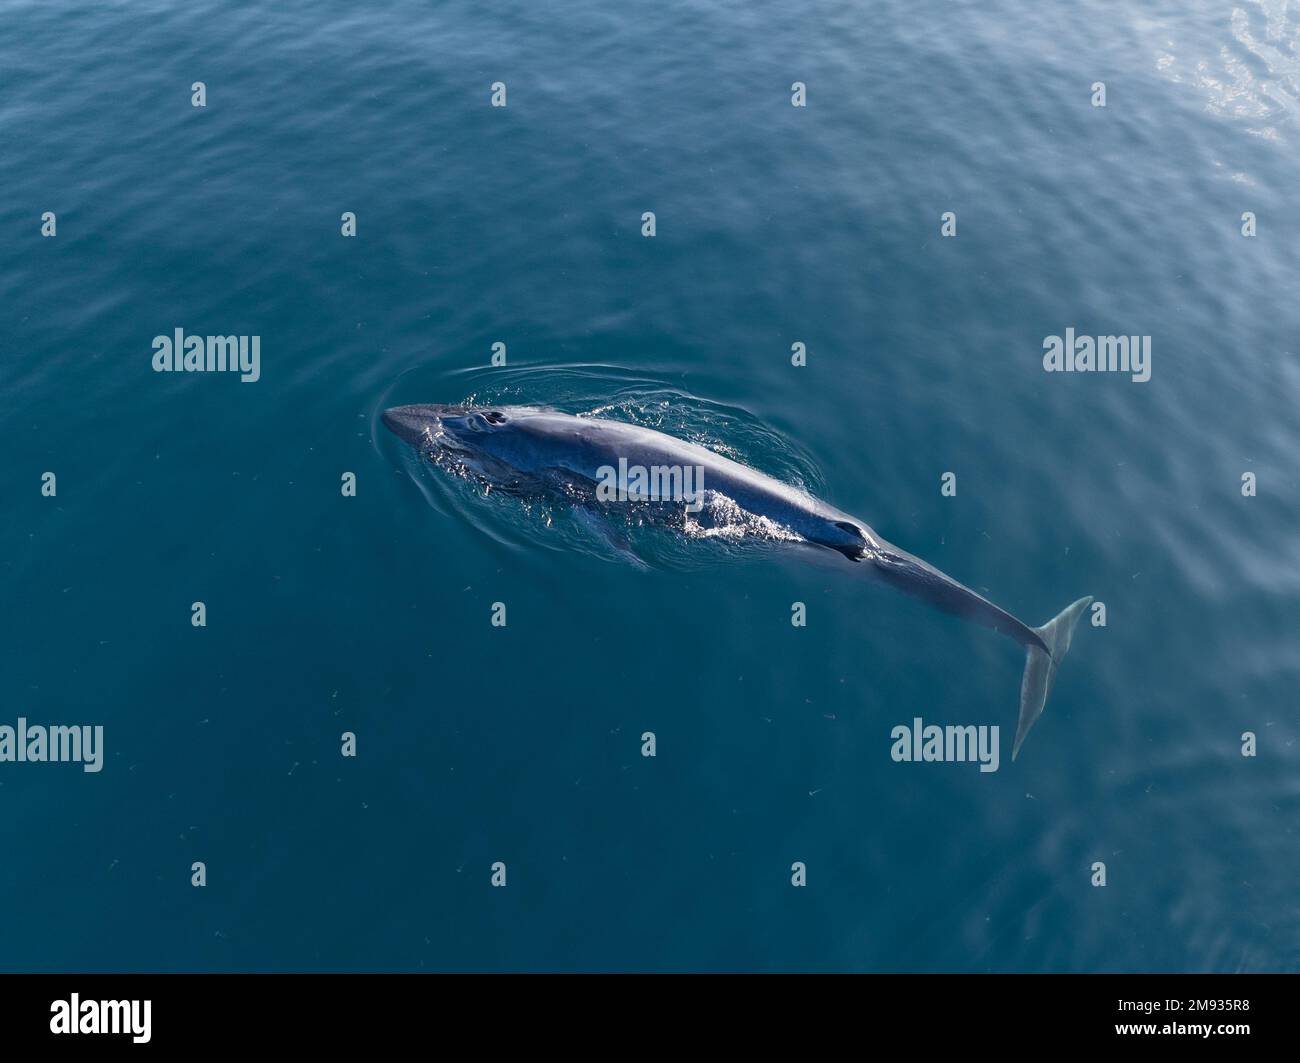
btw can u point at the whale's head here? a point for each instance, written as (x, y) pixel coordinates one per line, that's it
(421, 426)
(507, 437)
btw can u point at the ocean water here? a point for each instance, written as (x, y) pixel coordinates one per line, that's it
(522, 225)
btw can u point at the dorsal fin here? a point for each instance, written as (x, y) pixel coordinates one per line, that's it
(853, 552)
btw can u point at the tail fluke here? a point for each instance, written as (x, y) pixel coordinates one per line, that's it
(1040, 666)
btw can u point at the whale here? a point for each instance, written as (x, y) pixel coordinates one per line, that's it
(525, 449)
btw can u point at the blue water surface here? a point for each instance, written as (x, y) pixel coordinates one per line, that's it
(522, 225)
